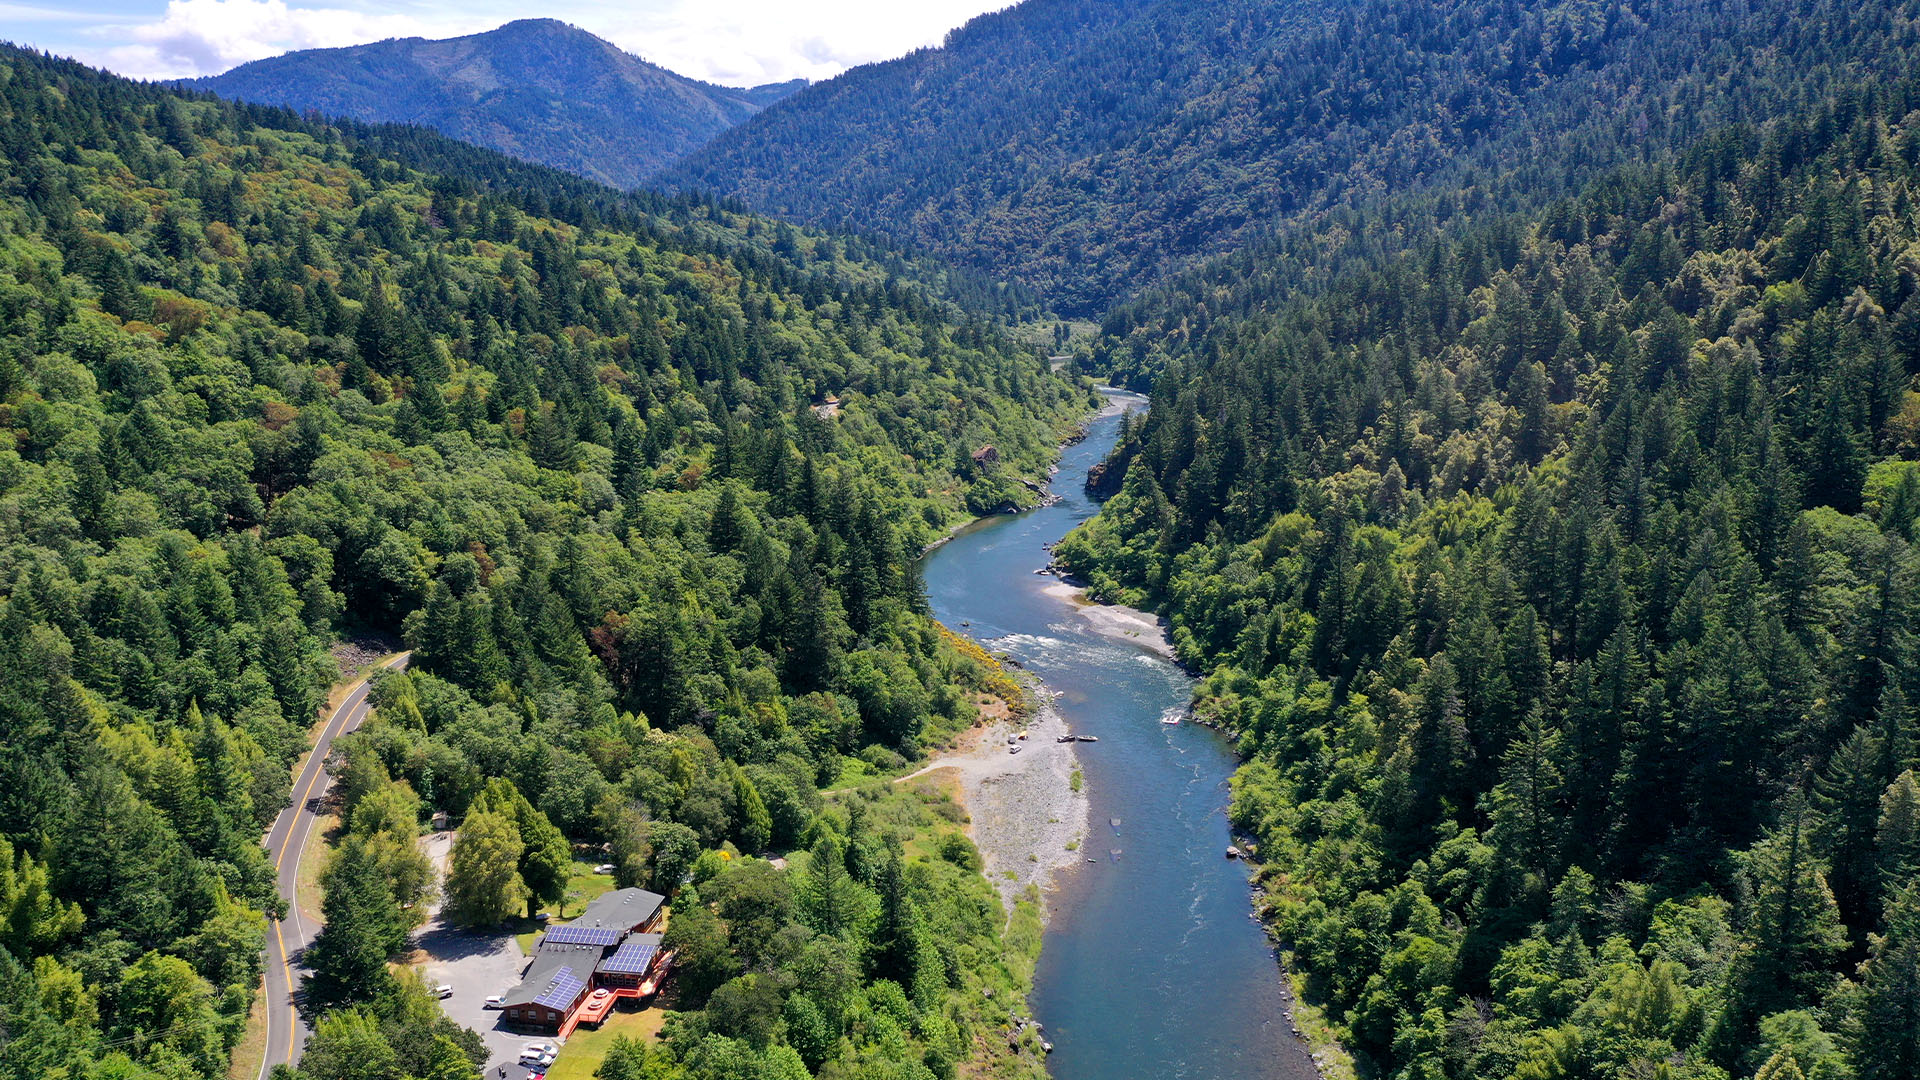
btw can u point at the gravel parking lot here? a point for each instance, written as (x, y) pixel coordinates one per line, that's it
(476, 965)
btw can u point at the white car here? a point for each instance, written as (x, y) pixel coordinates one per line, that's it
(540, 1048)
(443, 991)
(495, 1001)
(539, 1059)
(604, 868)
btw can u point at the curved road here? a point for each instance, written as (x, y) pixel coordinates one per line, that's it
(286, 938)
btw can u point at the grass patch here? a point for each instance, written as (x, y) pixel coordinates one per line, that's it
(583, 888)
(313, 860)
(250, 1053)
(1076, 781)
(1334, 1061)
(587, 1048)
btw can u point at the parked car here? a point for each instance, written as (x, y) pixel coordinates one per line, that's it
(537, 1058)
(604, 868)
(495, 1001)
(443, 991)
(541, 1048)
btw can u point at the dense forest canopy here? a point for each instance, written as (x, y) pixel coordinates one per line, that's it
(266, 382)
(1558, 580)
(1088, 148)
(1533, 474)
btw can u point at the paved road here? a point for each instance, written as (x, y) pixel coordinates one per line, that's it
(286, 1032)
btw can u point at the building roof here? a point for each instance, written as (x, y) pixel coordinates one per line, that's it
(566, 956)
(552, 982)
(620, 910)
(576, 934)
(633, 957)
(562, 991)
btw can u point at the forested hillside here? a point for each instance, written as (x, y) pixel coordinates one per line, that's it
(538, 89)
(1558, 579)
(265, 383)
(1089, 148)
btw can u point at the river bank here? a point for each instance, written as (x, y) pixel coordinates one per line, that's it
(1022, 810)
(1152, 965)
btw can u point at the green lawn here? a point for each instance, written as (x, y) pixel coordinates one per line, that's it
(585, 885)
(586, 1049)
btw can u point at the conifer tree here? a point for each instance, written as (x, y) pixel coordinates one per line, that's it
(1886, 1026)
(364, 926)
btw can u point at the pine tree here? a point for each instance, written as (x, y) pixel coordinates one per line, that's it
(833, 903)
(545, 858)
(33, 921)
(363, 927)
(1886, 1026)
(550, 439)
(1792, 931)
(1526, 807)
(1848, 797)
(753, 824)
(1897, 839)
(897, 939)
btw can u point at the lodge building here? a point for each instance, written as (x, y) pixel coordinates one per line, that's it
(612, 945)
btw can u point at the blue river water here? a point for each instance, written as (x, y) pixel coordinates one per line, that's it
(1152, 967)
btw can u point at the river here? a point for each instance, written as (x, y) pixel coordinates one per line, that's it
(1151, 965)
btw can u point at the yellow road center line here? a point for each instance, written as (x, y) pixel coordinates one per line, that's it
(286, 968)
(299, 805)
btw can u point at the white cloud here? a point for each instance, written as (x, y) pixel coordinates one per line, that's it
(203, 37)
(740, 42)
(743, 42)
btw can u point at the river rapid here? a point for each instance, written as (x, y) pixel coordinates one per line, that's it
(1152, 966)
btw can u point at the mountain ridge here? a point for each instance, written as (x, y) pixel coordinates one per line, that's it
(1093, 150)
(539, 89)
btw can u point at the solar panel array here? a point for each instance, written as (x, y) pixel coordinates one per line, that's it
(630, 959)
(563, 991)
(582, 935)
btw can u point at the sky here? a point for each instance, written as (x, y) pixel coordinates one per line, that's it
(735, 42)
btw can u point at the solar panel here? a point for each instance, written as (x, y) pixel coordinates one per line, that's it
(633, 958)
(582, 935)
(563, 991)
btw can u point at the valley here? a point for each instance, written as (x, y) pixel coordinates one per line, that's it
(1225, 539)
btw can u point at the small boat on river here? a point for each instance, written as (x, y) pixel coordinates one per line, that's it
(1088, 738)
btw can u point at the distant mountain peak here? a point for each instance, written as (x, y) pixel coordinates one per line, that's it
(539, 88)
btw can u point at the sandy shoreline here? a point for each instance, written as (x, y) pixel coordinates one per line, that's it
(1142, 628)
(1022, 810)
(1120, 401)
